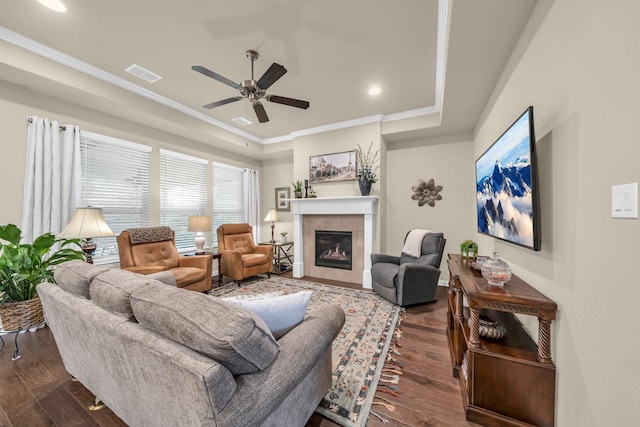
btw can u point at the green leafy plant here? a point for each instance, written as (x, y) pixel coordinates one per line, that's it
(283, 234)
(367, 164)
(297, 186)
(24, 266)
(468, 246)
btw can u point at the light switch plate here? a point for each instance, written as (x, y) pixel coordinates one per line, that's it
(624, 201)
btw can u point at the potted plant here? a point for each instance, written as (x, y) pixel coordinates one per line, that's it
(284, 236)
(22, 268)
(469, 249)
(367, 168)
(297, 189)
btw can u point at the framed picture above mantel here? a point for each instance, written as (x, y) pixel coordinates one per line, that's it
(333, 167)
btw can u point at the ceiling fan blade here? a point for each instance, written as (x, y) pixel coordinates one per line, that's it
(298, 103)
(259, 109)
(202, 70)
(222, 102)
(271, 76)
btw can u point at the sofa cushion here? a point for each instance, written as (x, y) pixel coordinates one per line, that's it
(280, 313)
(111, 290)
(233, 336)
(76, 276)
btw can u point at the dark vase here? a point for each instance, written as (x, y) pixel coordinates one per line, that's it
(365, 187)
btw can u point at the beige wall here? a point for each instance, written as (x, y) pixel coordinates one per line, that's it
(402, 164)
(580, 72)
(276, 174)
(337, 141)
(446, 160)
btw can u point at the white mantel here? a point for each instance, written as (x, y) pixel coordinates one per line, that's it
(360, 205)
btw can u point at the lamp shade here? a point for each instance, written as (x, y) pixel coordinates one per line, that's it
(199, 223)
(86, 223)
(272, 216)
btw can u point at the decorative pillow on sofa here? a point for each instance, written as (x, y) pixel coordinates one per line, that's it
(236, 338)
(280, 313)
(75, 276)
(111, 290)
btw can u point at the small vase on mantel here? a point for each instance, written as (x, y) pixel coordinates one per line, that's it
(365, 187)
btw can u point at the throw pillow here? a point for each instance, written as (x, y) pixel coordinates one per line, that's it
(279, 313)
(75, 276)
(112, 289)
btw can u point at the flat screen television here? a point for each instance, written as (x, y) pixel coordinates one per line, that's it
(507, 186)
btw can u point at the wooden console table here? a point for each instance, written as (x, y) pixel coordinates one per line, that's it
(510, 381)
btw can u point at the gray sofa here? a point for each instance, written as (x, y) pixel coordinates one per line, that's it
(159, 355)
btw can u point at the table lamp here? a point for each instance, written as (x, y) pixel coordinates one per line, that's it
(86, 224)
(199, 224)
(272, 216)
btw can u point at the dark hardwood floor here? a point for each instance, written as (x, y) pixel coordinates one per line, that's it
(35, 390)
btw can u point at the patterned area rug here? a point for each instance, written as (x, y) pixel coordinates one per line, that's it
(359, 351)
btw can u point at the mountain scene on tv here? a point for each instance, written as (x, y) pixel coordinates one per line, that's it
(503, 187)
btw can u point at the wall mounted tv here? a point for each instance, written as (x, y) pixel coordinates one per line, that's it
(507, 186)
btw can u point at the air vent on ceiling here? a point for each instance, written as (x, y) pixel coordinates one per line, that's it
(143, 73)
(242, 121)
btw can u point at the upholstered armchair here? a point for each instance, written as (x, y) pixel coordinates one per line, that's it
(152, 250)
(241, 257)
(412, 277)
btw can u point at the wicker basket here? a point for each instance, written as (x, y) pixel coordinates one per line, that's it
(20, 315)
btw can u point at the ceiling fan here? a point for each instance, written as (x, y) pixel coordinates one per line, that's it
(252, 89)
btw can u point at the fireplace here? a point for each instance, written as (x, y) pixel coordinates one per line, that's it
(347, 213)
(333, 249)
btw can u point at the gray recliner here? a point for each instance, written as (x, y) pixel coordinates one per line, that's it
(406, 280)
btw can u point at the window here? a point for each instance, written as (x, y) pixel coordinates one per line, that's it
(228, 197)
(183, 192)
(115, 177)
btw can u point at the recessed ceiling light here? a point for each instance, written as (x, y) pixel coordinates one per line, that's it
(54, 5)
(242, 121)
(374, 90)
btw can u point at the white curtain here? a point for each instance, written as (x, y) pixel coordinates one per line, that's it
(251, 185)
(52, 177)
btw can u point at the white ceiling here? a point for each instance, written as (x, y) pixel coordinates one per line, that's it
(333, 51)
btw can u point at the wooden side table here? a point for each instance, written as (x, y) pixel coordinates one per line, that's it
(214, 255)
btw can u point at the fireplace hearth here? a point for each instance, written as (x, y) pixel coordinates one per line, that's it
(333, 249)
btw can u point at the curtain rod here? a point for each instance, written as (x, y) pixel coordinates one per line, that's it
(30, 120)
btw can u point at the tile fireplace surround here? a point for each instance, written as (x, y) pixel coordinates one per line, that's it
(356, 214)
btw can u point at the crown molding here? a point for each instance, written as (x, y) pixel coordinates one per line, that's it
(71, 62)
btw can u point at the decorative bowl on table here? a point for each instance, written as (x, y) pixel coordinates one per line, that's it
(490, 327)
(495, 271)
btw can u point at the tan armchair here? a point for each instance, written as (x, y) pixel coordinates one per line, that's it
(241, 257)
(151, 250)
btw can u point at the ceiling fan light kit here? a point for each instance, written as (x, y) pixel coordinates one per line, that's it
(253, 90)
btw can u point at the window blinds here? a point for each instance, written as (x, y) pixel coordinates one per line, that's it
(183, 192)
(228, 196)
(115, 177)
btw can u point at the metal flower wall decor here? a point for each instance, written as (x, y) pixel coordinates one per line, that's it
(426, 192)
